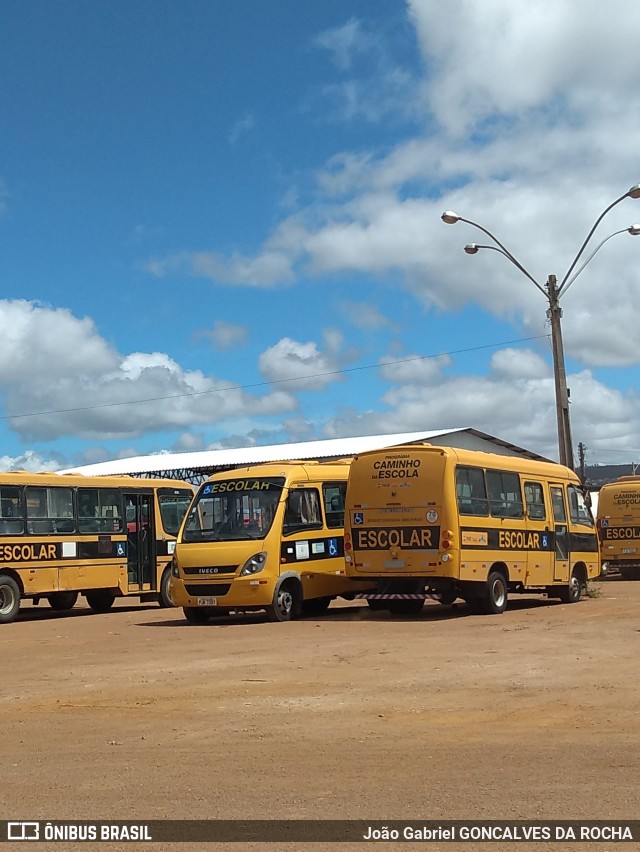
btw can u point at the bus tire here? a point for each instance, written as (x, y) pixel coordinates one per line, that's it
(287, 602)
(164, 598)
(197, 614)
(9, 599)
(100, 600)
(61, 601)
(316, 606)
(448, 597)
(494, 599)
(410, 607)
(629, 573)
(572, 592)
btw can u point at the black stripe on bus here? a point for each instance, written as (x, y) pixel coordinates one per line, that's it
(311, 549)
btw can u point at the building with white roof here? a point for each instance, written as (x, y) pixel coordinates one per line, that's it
(196, 466)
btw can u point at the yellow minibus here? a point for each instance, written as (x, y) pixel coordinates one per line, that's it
(619, 526)
(266, 537)
(425, 521)
(62, 535)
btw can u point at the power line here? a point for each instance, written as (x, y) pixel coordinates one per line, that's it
(265, 384)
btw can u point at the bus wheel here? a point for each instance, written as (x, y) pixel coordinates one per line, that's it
(572, 592)
(197, 614)
(316, 606)
(448, 597)
(9, 599)
(494, 600)
(62, 600)
(100, 600)
(410, 607)
(287, 603)
(164, 598)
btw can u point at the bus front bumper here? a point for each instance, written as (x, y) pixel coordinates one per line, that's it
(239, 593)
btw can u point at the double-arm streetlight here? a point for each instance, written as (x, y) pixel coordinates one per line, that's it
(552, 291)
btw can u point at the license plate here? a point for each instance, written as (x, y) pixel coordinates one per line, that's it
(207, 601)
(628, 550)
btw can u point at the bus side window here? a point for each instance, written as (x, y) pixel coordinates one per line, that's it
(504, 494)
(11, 513)
(334, 496)
(471, 491)
(302, 510)
(534, 498)
(49, 510)
(579, 512)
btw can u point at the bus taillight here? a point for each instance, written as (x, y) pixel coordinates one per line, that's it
(447, 539)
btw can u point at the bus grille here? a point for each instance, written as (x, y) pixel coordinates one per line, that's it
(207, 571)
(215, 589)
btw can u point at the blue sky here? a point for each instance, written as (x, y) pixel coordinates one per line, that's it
(220, 222)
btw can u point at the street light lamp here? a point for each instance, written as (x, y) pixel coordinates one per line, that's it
(552, 292)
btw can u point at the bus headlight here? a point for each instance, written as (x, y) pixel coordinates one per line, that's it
(174, 567)
(254, 564)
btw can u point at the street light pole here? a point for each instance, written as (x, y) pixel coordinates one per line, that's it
(552, 291)
(554, 314)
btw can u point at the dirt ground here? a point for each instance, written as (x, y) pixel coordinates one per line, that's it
(136, 715)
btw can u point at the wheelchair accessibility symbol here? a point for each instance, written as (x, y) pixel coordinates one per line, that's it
(333, 547)
(120, 550)
(358, 518)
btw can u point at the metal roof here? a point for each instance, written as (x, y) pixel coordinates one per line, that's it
(198, 464)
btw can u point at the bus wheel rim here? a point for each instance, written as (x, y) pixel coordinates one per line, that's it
(285, 600)
(7, 600)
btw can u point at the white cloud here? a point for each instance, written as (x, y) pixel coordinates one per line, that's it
(510, 364)
(264, 270)
(413, 369)
(302, 365)
(523, 57)
(241, 127)
(367, 316)
(227, 335)
(343, 41)
(61, 378)
(31, 461)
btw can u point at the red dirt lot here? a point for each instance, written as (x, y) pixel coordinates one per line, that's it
(136, 715)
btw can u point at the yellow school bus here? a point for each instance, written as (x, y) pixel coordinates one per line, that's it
(425, 521)
(266, 537)
(619, 526)
(103, 536)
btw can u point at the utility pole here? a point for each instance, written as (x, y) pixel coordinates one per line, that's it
(554, 313)
(582, 472)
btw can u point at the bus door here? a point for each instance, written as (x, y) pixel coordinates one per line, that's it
(141, 541)
(540, 553)
(561, 532)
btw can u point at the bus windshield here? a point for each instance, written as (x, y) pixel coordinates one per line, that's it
(233, 509)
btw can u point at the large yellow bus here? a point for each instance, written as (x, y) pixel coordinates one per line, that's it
(267, 537)
(619, 526)
(425, 521)
(103, 536)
